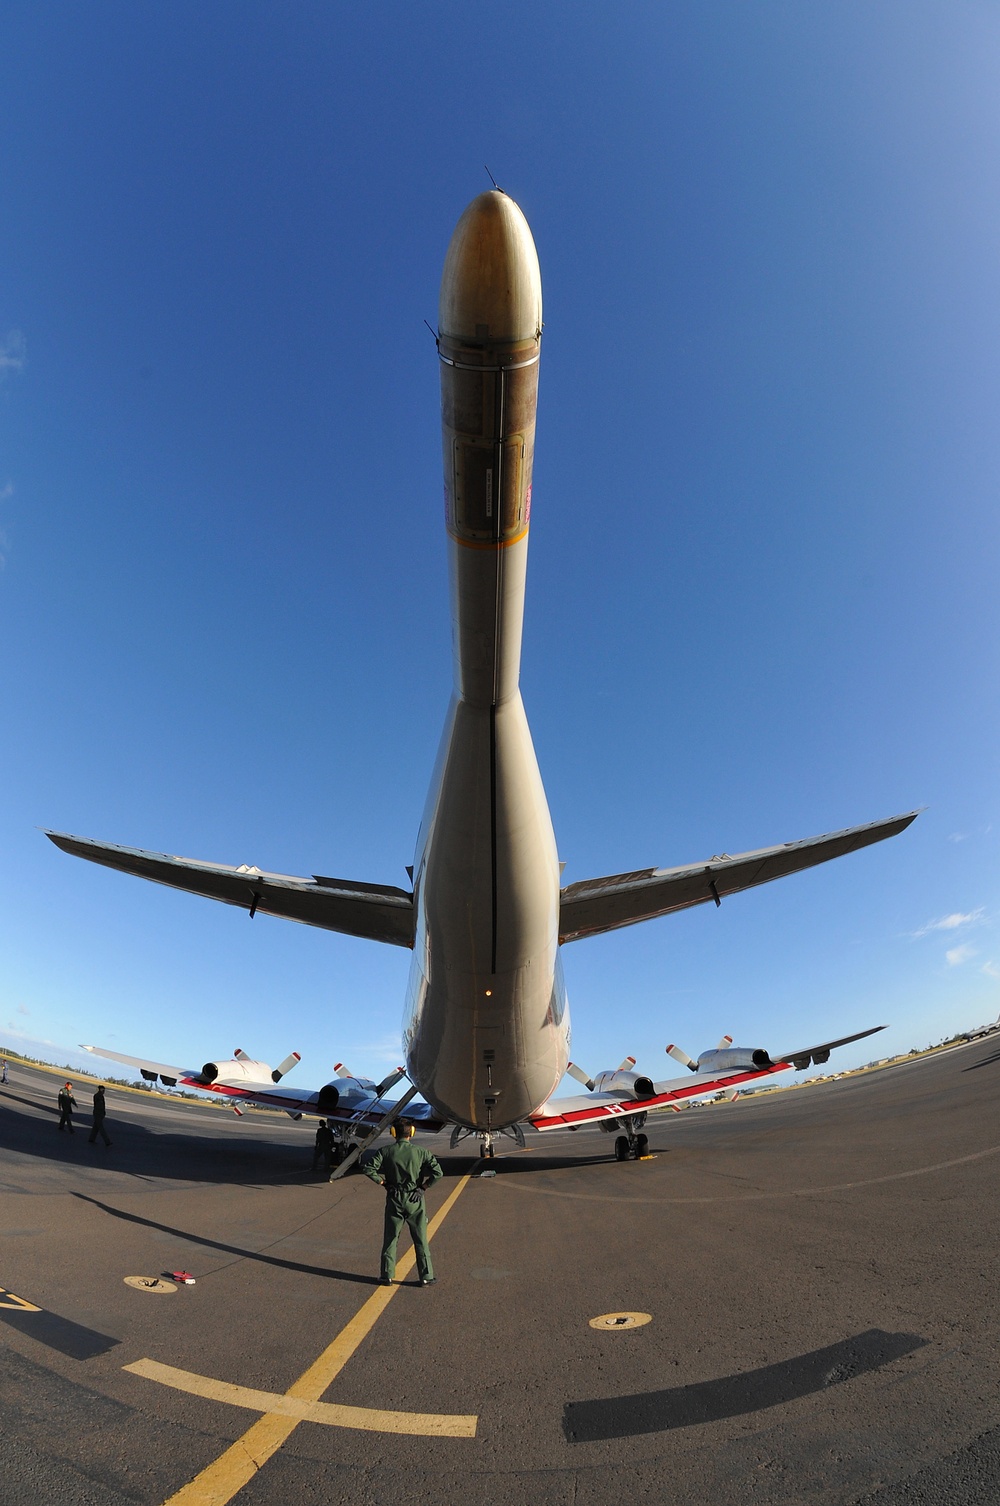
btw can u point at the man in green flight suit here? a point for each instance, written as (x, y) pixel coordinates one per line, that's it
(404, 1170)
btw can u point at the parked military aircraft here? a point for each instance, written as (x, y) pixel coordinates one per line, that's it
(487, 1030)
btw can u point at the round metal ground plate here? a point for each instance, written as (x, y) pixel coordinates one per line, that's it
(615, 1322)
(155, 1284)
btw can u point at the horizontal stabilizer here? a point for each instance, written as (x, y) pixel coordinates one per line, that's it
(623, 899)
(376, 913)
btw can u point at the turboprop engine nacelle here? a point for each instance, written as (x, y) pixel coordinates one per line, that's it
(633, 1083)
(238, 1070)
(346, 1089)
(734, 1059)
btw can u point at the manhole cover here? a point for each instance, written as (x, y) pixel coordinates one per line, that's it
(616, 1321)
(150, 1284)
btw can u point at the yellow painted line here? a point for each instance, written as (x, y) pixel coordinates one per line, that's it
(7, 1299)
(220, 1480)
(369, 1419)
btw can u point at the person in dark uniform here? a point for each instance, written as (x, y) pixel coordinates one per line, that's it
(404, 1170)
(67, 1103)
(97, 1125)
(323, 1149)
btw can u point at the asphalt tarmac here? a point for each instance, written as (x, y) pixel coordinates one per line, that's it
(815, 1273)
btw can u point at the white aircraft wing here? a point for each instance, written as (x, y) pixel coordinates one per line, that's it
(591, 1108)
(375, 911)
(604, 904)
(149, 1069)
(356, 1105)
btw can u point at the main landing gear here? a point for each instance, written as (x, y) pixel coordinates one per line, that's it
(630, 1146)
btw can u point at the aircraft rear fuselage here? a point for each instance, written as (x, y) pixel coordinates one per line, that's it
(487, 1035)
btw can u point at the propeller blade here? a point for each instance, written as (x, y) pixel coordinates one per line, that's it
(388, 1083)
(341, 1070)
(236, 1111)
(727, 1040)
(581, 1076)
(731, 1094)
(286, 1066)
(241, 1056)
(627, 1064)
(682, 1057)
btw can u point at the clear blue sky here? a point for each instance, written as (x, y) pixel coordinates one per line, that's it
(764, 565)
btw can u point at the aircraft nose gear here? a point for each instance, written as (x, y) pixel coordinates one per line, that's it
(631, 1146)
(487, 1138)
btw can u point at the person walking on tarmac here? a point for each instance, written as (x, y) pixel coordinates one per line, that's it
(67, 1103)
(404, 1170)
(323, 1148)
(100, 1109)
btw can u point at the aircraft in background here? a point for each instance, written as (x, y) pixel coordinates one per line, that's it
(487, 1031)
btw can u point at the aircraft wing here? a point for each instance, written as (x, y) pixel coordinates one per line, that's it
(150, 1070)
(362, 1111)
(604, 904)
(377, 912)
(801, 1059)
(590, 1108)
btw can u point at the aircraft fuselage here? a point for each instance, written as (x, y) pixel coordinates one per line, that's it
(487, 1033)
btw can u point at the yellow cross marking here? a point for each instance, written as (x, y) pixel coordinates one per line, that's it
(220, 1480)
(370, 1419)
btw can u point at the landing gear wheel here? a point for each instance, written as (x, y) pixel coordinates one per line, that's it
(621, 1148)
(482, 1152)
(641, 1146)
(491, 1153)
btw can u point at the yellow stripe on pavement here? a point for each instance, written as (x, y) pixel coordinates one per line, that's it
(219, 1482)
(21, 1304)
(370, 1419)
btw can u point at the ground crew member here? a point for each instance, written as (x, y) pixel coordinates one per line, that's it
(100, 1109)
(323, 1149)
(404, 1170)
(67, 1103)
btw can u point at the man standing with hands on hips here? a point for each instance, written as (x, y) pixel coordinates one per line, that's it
(404, 1170)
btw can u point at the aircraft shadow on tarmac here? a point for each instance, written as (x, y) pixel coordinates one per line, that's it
(235, 1156)
(987, 1061)
(735, 1395)
(520, 1164)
